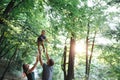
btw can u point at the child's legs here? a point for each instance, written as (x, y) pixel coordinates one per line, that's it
(42, 43)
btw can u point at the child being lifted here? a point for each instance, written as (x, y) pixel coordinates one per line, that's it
(41, 39)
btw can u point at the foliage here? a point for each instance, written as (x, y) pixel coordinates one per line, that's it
(22, 22)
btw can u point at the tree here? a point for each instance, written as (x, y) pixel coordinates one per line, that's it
(22, 20)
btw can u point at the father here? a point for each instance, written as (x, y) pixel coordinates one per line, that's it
(47, 67)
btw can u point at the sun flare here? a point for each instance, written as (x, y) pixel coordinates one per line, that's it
(80, 47)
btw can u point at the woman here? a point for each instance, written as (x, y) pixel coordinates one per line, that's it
(29, 71)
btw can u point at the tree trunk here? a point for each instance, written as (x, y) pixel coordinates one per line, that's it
(2, 37)
(70, 75)
(64, 63)
(87, 39)
(15, 52)
(91, 54)
(9, 7)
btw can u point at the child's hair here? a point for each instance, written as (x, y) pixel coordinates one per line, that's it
(25, 69)
(43, 30)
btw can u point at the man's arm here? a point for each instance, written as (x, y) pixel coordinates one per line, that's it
(47, 55)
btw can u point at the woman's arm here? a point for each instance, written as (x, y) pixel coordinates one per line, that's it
(30, 70)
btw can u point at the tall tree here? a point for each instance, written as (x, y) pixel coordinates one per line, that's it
(9, 62)
(70, 74)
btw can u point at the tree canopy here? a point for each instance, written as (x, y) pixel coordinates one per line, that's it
(94, 24)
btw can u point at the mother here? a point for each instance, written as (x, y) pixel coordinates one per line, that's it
(29, 71)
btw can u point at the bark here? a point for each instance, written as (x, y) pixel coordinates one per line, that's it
(87, 39)
(91, 54)
(70, 75)
(2, 37)
(6, 69)
(64, 62)
(9, 7)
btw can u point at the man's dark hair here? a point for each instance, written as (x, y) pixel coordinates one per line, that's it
(51, 62)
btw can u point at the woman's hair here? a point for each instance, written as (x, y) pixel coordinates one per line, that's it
(25, 69)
